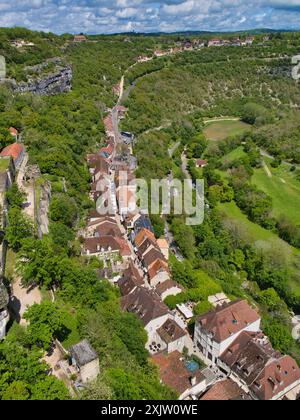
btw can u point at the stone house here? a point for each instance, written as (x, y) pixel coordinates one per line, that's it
(16, 151)
(218, 329)
(85, 360)
(169, 337)
(147, 305)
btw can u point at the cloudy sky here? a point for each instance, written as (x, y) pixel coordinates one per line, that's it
(111, 16)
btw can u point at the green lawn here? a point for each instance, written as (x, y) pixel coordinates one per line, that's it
(284, 190)
(253, 232)
(10, 264)
(237, 153)
(4, 164)
(220, 130)
(263, 239)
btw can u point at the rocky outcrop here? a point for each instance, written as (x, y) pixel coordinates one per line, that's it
(281, 70)
(3, 296)
(52, 84)
(4, 316)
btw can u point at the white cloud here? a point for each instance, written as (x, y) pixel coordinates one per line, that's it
(110, 16)
(129, 12)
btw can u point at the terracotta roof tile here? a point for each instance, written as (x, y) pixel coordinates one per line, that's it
(158, 266)
(263, 369)
(166, 285)
(130, 280)
(142, 235)
(145, 303)
(174, 373)
(171, 331)
(225, 391)
(228, 319)
(14, 150)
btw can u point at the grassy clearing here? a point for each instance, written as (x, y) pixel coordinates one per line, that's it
(263, 239)
(253, 232)
(73, 337)
(4, 164)
(284, 189)
(237, 153)
(220, 130)
(10, 264)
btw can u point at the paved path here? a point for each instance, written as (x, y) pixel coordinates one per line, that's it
(26, 188)
(22, 299)
(174, 148)
(266, 169)
(173, 247)
(29, 206)
(21, 172)
(221, 119)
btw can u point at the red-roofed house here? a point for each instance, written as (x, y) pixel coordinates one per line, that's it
(226, 390)
(169, 337)
(174, 373)
(106, 247)
(216, 42)
(14, 132)
(16, 151)
(201, 163)
(80, 38)
(147, 305)
(168, 288)
(109, 128)
(121, 111)
(218, 329)
(106, 152)
(267, 374)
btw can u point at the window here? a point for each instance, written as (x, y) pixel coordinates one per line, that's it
(200, 347)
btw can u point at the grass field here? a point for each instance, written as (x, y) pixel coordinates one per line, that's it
(237, 153)
(263, 239)
(220, 130)
(284, 189)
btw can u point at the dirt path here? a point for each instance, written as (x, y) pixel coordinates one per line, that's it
(174, 148)
(220, 119)
(29, 206)
(266, 169)
(21, 172)
(22, 299)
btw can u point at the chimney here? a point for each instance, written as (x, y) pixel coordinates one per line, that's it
(193, 380)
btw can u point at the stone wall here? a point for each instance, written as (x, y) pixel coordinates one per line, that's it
(42, 207)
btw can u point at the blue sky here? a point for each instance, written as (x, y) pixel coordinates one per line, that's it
(110, 16)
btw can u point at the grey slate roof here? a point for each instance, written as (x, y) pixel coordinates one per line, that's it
(83, 353)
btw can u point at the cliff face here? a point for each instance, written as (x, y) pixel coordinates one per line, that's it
(53, 84)
(3, 296)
